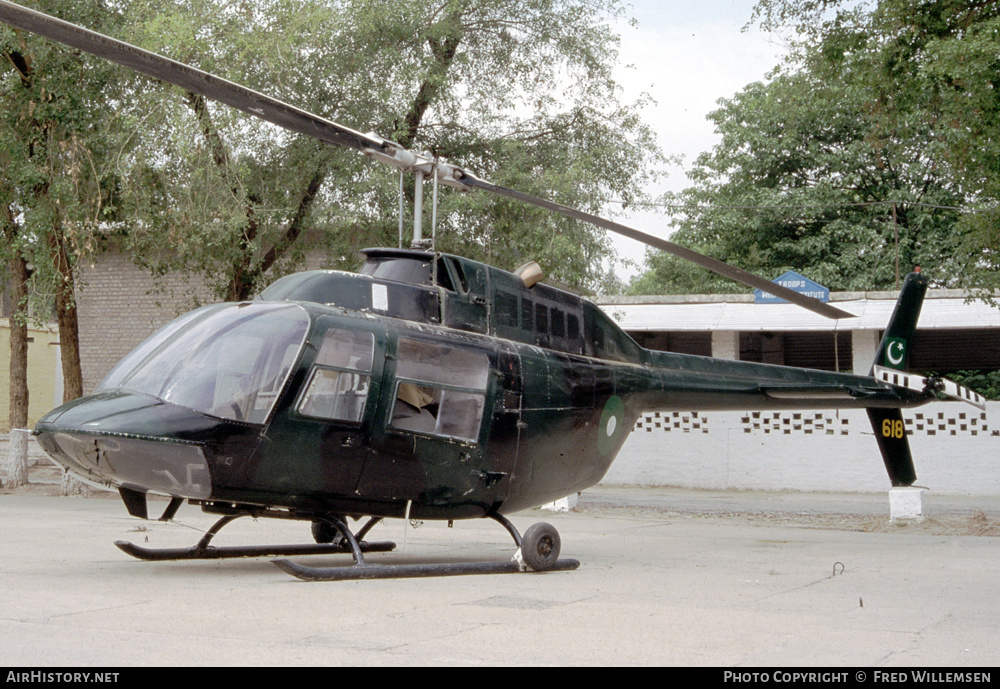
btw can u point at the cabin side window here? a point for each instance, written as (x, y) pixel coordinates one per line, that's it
(572, 328)
(440, 390)
(527, 314)
(558, 322)
(541, 319)
(341, 378)
(506, 309)
(457, 276)
(608, 340)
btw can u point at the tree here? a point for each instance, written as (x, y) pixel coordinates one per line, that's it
(813, 175)
(17, 282)
(234, 196)
(801, 182)
(53, 141)
(934, 63)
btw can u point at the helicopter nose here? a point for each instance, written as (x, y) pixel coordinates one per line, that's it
(124, 439)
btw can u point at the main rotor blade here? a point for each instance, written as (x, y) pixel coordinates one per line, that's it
(708, 262)
(302, 122)
(189, 78)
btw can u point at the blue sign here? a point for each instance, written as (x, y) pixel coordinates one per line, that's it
(797, 283)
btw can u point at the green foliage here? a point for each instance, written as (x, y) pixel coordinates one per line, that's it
(933, 67)
(234, 197)
(799, 182)
(880, 125)
(986, 383)
(55, 144)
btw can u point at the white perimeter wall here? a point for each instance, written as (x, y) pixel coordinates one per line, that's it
(956, 450)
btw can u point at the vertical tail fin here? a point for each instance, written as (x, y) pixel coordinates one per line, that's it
(894, 349)
(894, 352)
(890, 432)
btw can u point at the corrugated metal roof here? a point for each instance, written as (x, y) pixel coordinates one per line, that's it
(939, 311)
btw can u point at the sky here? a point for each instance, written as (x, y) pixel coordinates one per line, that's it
(687, 55)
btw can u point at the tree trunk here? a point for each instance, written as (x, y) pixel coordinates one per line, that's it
(18, 360)
(17, 460)
(69, 340)
(18, 281)
(69, 332)
(69, 345)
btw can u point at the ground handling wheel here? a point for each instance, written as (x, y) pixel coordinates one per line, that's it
(540, 546)
(325, 532)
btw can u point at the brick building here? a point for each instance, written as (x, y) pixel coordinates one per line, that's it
(119, 305)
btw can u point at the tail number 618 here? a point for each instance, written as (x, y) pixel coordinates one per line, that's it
(893, 428)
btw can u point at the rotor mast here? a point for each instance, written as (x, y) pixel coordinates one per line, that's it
(421, 165)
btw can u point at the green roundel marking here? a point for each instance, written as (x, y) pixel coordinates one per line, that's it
(611, 426)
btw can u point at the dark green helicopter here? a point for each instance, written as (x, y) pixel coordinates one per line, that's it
(428, 386)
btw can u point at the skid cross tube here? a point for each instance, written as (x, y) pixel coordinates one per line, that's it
(204, 551)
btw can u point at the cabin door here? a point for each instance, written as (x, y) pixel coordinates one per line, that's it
(438, 401)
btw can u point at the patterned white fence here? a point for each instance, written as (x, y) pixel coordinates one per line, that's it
(956, 450)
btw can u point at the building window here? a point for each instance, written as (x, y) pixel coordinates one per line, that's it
(817, 350)
(680, 342)
(945, 350)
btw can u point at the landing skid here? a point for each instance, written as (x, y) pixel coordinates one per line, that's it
(203, 551)
(538, 551)
(370, 571)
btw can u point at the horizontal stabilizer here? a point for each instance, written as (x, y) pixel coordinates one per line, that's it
(918, 383)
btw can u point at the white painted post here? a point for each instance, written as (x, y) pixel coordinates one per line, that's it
(864, 344)
(906, 503)
(563, 504)
(17, 458)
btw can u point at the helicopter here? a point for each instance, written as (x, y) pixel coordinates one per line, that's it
(426, 386)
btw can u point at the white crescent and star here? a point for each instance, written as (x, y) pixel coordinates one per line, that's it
(894, 352)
